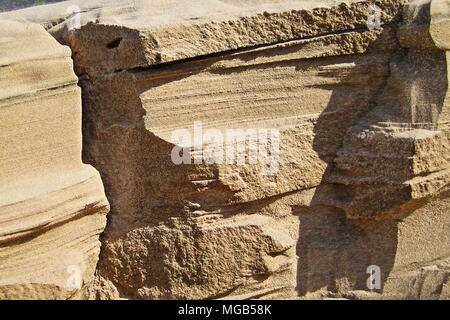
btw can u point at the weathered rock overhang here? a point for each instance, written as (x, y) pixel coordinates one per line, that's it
(364, 152)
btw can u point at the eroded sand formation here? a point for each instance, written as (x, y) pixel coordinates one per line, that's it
(52, 206)
(361, 178)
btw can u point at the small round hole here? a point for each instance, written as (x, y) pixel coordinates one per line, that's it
(114, 43)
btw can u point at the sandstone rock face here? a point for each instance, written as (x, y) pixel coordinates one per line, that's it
(52, 206)
(338, 161)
